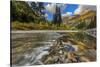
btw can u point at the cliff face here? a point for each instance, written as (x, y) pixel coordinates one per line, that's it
(88, 18)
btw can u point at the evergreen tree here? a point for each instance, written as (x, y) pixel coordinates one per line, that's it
(20, 11)
(92, 23)
(57, 16)
(38, 8)
(23, 12)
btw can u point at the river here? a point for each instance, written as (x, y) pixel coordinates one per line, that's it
(30, 48)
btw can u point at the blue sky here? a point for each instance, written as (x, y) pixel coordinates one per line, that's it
(70, 8)
(64, 9)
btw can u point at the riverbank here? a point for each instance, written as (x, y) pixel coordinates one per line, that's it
(16, 25)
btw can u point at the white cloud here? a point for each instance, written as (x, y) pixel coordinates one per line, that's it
(60, 5)
(78, 10)
(63, 15)
(67, 14)
(82, 8)
(51, 7)
(46, 15)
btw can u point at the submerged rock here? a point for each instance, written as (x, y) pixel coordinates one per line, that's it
(66, 52)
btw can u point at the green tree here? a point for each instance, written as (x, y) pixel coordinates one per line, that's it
(57, 16)
(38, 8)
(23, 12)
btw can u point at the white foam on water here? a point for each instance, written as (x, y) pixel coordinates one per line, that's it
(40, 53)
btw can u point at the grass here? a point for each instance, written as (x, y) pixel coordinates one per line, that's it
(16, 25)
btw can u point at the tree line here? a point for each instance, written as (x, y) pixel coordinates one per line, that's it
(32, 12)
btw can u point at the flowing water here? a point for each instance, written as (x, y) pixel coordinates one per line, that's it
(30, 48)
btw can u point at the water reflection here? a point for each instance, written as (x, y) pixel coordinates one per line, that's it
(52, 48)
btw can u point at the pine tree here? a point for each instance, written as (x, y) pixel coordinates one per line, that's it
(23, 12)
(57, 16)
(38, 8)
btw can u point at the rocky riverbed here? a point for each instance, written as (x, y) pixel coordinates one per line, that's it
(52, 48)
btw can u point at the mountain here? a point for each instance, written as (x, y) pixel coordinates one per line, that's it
(85, 20)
